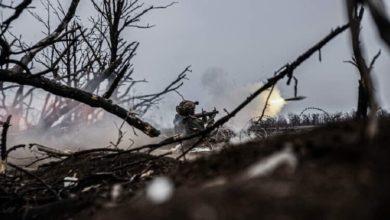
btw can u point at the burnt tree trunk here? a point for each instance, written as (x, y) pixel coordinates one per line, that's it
(6, 125)
(363, 102)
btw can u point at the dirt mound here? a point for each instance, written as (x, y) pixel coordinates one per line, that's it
(337, 177)
(329, 172)
(89, 179)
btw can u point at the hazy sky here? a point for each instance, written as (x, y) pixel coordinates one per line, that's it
(248, 40)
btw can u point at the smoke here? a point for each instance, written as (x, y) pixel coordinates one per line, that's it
(77, 137)
(275, 104)
(224, 93)
(220, 91)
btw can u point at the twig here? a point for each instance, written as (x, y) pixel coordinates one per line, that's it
(37, 160)
(141, 161)
(79, 153)
(172, 87)
(374, 60)
(18, 11)
(287, 71)
(266, 104)
(37, 178)
(120, 136)
(15, 148)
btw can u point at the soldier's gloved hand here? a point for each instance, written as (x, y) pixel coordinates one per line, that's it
(210, 122)
(204, 119)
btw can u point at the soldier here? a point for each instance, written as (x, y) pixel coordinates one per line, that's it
(187, 122)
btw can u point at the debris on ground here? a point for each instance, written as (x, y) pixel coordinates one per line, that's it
(327, 172)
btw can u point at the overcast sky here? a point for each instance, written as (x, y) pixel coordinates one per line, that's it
(248, 40)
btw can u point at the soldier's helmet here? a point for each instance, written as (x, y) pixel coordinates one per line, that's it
(186, 108)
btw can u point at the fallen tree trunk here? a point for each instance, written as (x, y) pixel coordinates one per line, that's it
(78, 95)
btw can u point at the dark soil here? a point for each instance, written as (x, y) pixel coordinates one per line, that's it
(339, 176)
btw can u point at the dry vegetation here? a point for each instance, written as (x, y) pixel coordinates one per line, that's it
(305, 166)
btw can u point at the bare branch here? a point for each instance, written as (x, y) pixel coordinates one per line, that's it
(115, 83)
(382, 21)
(18, 11)
(26, 59)
(37, 178)
(173, 86)
(266, 104)
(78, 95)
(287, 71)
(374, 60)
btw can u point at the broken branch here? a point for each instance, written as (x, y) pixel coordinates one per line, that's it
(381, 20)
(79, 95)
(37, 178)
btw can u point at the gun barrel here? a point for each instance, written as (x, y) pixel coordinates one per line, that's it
(204, 114)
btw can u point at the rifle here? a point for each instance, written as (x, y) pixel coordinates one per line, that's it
(205, 114)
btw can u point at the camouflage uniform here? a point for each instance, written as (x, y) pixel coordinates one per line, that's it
(185, 122)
